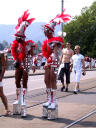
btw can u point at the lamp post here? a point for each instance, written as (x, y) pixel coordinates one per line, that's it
(62, 8)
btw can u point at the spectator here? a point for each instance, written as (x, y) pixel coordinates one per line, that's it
(92, 62)
(65, 66)
(77, 64)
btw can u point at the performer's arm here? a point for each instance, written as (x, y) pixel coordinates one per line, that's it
(15, 55)
(33, 64)
(14, 50)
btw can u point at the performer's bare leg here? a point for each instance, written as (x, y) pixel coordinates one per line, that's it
(4, 100)
(48, 86)
(47, 77)
(24, 91)
(18, 77)
(53, 90)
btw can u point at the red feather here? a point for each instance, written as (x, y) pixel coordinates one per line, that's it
(61, 17)
(46, 49)
(14, 48)
(23, 18)
(33, 43)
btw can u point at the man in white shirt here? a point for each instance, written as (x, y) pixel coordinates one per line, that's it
(77, 64)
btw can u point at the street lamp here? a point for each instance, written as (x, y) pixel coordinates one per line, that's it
(62, 8)
(61, 34)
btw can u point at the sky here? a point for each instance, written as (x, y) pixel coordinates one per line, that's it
(42, 10)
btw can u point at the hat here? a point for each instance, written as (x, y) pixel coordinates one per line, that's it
(23, 23)
(50, 26)
(57, 20)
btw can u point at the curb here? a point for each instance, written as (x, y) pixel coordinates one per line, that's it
(34, 74)
(6, 77)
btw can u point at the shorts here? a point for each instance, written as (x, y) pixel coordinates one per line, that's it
(1, 84)
(64, 69)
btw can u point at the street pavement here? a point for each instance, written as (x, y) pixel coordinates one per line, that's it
(71, 107)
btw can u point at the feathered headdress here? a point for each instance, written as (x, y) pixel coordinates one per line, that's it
(61, 18)
(49, 27)
(48, 45)
(57, 20)
(23, 23)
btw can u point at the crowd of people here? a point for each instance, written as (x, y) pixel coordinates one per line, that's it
(90, 62)
(54, 64)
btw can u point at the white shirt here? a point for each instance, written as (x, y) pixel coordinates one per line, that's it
(77, 61)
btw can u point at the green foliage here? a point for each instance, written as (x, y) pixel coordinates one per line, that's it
(82, 31)
(39, 48)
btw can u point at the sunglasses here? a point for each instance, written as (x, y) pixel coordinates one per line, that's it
(76, 49)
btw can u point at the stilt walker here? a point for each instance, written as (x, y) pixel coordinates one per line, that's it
(50, 49)
(22, 52)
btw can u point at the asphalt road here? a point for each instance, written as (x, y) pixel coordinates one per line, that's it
(71, 108)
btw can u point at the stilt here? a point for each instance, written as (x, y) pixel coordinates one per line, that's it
(53, 113)
(53, 108)
(45, 105)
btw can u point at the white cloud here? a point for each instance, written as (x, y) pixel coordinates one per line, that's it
(42, 10)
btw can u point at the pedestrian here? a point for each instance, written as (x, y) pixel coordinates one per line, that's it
(22, 52)
(2, 71)
(77, 64)
(66, 55)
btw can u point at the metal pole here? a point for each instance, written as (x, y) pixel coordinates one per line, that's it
(62, 8)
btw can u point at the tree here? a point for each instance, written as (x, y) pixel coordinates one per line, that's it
(82, 30)
(5, 43)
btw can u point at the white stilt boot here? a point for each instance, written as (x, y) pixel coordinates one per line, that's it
(17, 103)
(23, 103)
(53, 107)
(45, 105)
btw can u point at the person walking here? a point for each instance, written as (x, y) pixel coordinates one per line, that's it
(65, 66)
(77, 64)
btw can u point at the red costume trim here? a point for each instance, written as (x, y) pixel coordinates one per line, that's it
(19, 50)
(46, 49)
(55, 40)
(15, 47)
(32, 43)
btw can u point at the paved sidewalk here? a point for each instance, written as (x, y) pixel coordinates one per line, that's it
(68, 112)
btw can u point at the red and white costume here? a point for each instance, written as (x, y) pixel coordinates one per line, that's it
(22, 52)
(48, 50)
